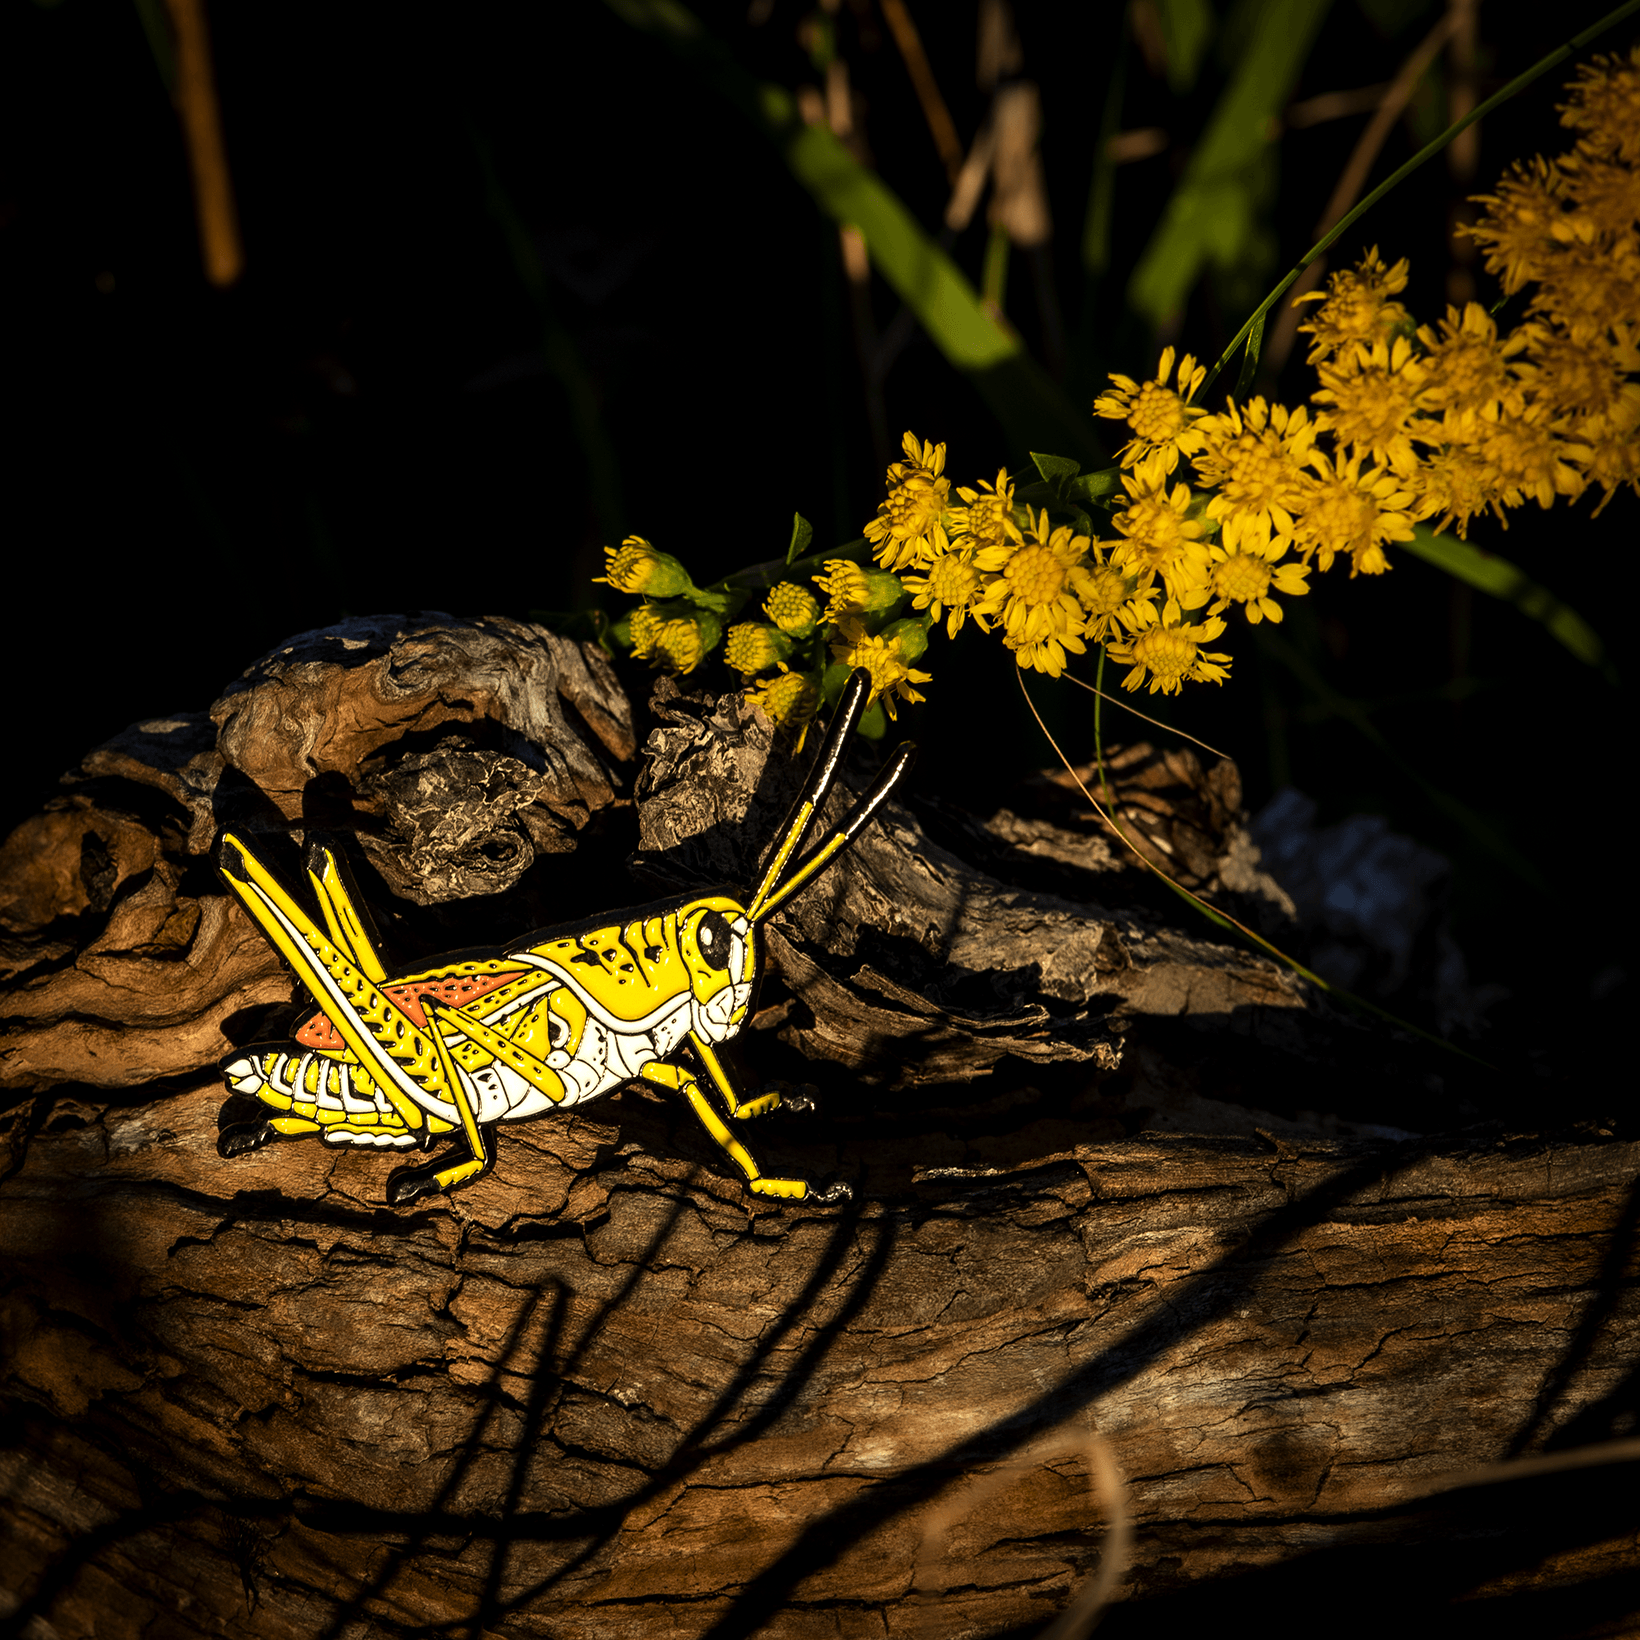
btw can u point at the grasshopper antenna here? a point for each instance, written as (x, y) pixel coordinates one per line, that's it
(778, 885)
(817, 786)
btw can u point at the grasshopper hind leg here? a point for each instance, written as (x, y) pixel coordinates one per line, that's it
(406, 1184)
(243, 1137)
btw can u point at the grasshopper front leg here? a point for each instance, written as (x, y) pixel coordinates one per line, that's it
(681, 1081)
(775, 1096)
(684, 1082)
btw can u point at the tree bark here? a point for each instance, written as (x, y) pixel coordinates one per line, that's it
(603, 1391)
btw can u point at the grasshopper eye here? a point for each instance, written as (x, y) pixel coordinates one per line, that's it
(714, 940)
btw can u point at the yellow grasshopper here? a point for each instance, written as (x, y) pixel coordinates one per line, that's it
(557, 1017)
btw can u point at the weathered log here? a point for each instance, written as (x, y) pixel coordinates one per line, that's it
(602, 1391)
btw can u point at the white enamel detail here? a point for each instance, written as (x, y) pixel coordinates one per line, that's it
(376, 1141)
(243, 1076)
(715, 1020)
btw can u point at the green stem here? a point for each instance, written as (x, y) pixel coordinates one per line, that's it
(1427, 152)
(1098, 732)
(760, 577)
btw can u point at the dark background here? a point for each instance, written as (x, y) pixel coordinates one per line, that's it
(367, 420)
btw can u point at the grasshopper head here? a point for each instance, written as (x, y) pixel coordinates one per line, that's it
(717, 936)
(720, 949)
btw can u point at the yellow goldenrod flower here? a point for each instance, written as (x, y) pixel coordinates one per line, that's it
(1169, 653)
(1161, 537)
(1518, 228)
(1037, 586)
(638, 567)
(891, 676)
(1356, 307)
(951, 584)
(1246, 578)
(851, 590)
(1113, 602)
(1592, 289)
(1529, 455)
(1456, 483)
(1047, 655)
(1253, 459)
(916, 498)
(1605, 106)
(789, 700)
(1612, 462)
(1162, 417)
(1350, 511)
(1466, 369)
(987, 519)
(1601, 197)
(1625, 338)
(1373, 394)
(1577, 377)
(754, 647)
(793, 609)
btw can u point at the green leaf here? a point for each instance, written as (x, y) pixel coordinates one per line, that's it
(1096, 488)
(873, 722)
(1020, 393)
(1056, 470)
(1491, 574)
(832, 682)
(1249, 361)
(1187, 28)
(721, 598)
(1212, 215)
(802, 534)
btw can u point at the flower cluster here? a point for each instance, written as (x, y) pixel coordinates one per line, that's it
(1209, 512)
(1408, 423)
(1463, 418)
(1046, 586)
(801, 655)
(1553, 407)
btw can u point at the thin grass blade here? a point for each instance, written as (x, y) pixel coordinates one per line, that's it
(1487, 572)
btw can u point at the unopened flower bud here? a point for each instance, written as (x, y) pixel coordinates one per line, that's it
(910, 636)
(856, 591)
(755, 647)
(793, 609)
(789, 700)
(686, 640)
(638, 567)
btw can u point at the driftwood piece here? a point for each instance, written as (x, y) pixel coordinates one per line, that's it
(1108, 1186)
(453, 753)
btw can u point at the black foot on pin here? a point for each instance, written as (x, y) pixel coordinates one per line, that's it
(407, 1184)
(803, 1097)
(832, 1189)
(244, 1137)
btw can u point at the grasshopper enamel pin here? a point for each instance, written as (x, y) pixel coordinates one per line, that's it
(556, 1018)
